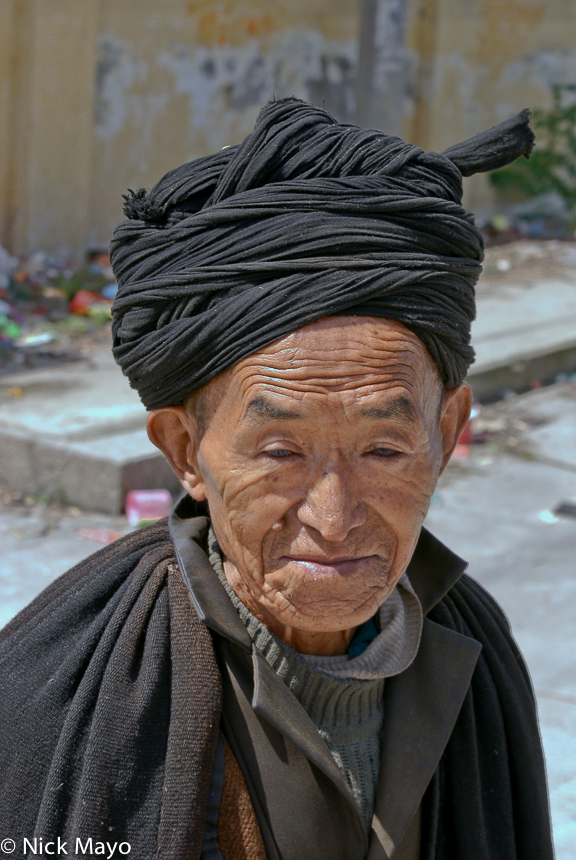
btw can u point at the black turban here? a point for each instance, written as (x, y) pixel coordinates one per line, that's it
(306, 218)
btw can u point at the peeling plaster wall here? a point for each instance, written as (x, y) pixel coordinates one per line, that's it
(100, 95)
(176, 86)
(482, 61)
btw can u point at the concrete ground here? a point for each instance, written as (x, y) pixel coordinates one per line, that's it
(495, 507)
(38, 543)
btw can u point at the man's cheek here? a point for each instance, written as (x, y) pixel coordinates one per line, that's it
(254, 494)
(401, 501)
(253, 519)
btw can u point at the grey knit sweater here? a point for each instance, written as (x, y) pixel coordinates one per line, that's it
(343, 697)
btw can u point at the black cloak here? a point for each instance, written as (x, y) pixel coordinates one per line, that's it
(110, 705)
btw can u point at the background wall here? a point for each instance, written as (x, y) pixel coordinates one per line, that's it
(100, 95)
(477, 62)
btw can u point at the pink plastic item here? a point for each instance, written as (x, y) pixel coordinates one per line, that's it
(461, 452)
(147, 506)
(466, 436)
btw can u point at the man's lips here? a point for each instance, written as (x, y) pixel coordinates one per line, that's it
(327, 566)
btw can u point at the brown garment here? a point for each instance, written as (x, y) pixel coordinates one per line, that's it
(239, 836)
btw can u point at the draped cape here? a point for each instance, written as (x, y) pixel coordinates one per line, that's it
(110, 701)
(306, 218)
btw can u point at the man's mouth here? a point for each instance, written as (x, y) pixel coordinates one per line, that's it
(316, 566)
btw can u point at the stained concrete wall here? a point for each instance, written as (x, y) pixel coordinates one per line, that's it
(100, 95)
(476, 62)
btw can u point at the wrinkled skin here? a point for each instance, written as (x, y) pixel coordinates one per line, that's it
(318, 461)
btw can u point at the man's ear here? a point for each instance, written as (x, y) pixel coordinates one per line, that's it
(175, 432)
(453, 419)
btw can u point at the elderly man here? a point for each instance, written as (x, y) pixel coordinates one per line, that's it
(292, 668)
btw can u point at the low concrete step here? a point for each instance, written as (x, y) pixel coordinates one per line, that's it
(522, 332)
(78, 434)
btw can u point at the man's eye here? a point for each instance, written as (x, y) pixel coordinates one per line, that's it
(384, 452)
(279, 453)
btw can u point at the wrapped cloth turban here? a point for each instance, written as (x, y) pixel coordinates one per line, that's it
(306, 218)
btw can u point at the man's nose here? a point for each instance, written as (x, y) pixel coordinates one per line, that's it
(331, 507)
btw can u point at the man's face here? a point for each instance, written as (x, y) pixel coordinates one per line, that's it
(318, 461)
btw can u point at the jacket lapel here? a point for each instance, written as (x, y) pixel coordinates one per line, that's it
(274, 701)
(421, 704)
(208, 596)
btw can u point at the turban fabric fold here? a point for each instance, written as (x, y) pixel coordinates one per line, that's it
(306, 218)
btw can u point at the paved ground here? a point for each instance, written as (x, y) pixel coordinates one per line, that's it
(77, 432)
(494, 507)
(38, 543)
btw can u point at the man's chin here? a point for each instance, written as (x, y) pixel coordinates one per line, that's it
(327, 593)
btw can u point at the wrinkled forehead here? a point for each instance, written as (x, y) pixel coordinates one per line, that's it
(346, 356)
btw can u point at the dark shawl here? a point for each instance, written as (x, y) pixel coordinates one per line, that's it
(109, 713)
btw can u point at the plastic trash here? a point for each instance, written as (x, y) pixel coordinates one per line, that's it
(461, 452)
(99, 535)
(146, 506)
(10, 329)
(16, 392)
(466, 436)
(547, 517)
(82, 301)
(100, 312)
(109, 291)
(32, 341)
(500, 223)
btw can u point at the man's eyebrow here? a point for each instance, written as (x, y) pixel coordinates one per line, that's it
(400, 407)
(260, 408)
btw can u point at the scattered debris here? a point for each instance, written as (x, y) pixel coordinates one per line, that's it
(527, 261)
(502, 428)
(565, 509)
(547, 517)
(542, 218)
(15, 392)
(146, 506)
(461, 452)
(99, 535)
(47, 301)
(39, 516)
